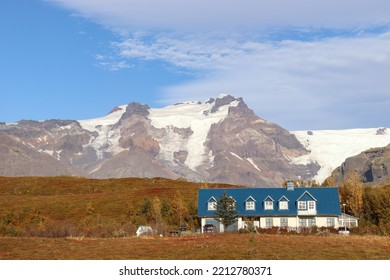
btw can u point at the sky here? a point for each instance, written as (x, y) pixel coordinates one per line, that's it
(302, 64)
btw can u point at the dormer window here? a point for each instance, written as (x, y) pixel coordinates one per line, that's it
(212, 204)
(307, 202)
(268, 203)
(250, 203)
(283, 203)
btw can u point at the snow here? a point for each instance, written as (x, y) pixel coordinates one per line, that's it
(110, 119)
(42, 139)
(238, 136)
(237, 156)
(66, 127)
(330, 148)
(222, 95)
(187, 115)
(107, 138)
(254, 164)
(96, 169)
(49, 152)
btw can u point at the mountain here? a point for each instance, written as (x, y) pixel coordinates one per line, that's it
(372, 165)
(220, 140)
(330, 148)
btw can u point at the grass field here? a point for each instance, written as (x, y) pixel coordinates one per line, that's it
(199, 247)
(34, 208)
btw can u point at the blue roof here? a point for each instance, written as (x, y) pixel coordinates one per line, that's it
(327, 200)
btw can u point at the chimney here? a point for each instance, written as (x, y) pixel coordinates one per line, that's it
(290, 185)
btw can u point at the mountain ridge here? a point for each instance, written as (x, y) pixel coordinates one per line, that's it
(220, 140)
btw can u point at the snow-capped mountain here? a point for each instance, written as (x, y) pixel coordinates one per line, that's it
(220, 140)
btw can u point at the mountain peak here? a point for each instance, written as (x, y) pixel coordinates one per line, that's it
(222, 100)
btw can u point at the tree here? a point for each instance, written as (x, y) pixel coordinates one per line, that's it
(330, 181)
(157, 218)
(352, 193)
(226, 211)
(192, 217)
(178, 209)
(145, 210)
(155, 210)
(166, 210)
(376, 205)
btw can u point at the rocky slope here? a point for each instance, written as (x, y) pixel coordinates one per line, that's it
(220, 140)
(372, 165)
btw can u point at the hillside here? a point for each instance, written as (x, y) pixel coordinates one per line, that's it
(63, 206)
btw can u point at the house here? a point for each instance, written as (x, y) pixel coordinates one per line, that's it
(290, 207)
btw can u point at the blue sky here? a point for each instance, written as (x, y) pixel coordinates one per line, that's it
(301, 64)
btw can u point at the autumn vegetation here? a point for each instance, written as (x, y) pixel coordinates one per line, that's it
(71, 206)
(369, 203)
(79, 218)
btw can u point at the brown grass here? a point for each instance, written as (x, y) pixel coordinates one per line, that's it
(199, 247)
(66, 200)
(60, 206)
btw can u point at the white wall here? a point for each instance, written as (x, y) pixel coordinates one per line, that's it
(261, 222)
(292, 221)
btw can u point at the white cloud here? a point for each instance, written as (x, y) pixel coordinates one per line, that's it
(320, 84)
(135, 15)
(195, 53)
(303, 64)
(115, 65)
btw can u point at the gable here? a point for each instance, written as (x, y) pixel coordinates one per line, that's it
(306, 196)
(268, 198)
(250, 198)
(283, 198)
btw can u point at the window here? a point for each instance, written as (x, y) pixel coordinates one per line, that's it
(212, 205)
(283, 205)
(301, 205)
(269, 222)
(268, 205)
(311, 205)
(307, 222)
(284, 222)
(250, 205)
(330, 222)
